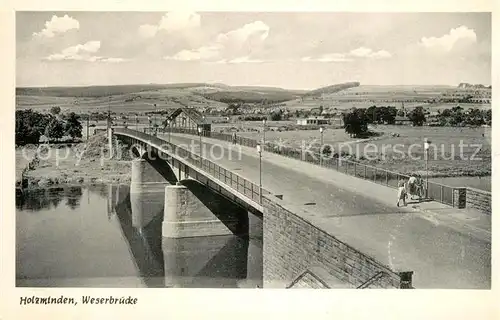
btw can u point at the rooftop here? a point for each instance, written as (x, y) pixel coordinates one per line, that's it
(191, 113)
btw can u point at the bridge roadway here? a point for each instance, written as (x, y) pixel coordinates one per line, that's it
(444, 251)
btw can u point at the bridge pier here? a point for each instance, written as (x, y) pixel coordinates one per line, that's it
(191, 212)
(209, 262)
(145, 185)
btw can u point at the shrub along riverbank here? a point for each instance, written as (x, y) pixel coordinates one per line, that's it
(77, 164)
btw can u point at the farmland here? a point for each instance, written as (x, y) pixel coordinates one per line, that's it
(385, 149)
(125, 100)
(453, 151)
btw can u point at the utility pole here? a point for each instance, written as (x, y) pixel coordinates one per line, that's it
(156, 125)
(88, 121)
(109, 113)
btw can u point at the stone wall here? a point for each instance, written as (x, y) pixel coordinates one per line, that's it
(478, 199)
(459, 197)
(292, 246)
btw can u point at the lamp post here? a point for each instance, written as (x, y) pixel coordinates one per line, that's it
(168, 124)
(199, 133)
(263, 133)
(426, 148)
(109, 114)
(150, 123)
(136, 122)
(88, 122)
(259, 150)
(321, 146)
(155, 125)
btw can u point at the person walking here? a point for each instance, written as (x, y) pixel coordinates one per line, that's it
(234, 137)
(412, 186)
(401, 192)
(420, 187)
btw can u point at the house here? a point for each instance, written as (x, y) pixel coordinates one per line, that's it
(313, 121)
(402, 120)
(337, 121)
(189, 118)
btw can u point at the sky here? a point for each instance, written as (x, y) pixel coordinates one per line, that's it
(289, 50)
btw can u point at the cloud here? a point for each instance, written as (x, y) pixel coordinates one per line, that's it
(202, 53)
(171, 22)
(113, 60)
(331, 57)
(245, 59)
(256, 30)
(363, 52)
(359, 53)
(449, 40)
(57, 25)
(228, 47)
(82, 52)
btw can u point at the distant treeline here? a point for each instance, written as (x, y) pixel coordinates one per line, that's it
(332, 89)
(457, 116)
(464, 99)
(250, 97)
(91, 91)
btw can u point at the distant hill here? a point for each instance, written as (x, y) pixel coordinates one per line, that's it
(213, 91)
(465, 85)
(268, 89)
(331, 89)
(103, 91)
(88, 91)
(249, 96)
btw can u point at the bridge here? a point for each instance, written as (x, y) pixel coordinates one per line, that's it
(316, 221)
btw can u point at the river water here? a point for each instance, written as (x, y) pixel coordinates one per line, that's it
(83, 237)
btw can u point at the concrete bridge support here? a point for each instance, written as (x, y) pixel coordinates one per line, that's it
(146, 183)
(208, 262)
(196, 211)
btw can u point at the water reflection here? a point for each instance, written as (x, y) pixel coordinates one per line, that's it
(217, 261)
(99, 245)
(50, 198)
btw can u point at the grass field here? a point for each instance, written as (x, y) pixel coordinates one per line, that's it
(446, 157)
(403, 153)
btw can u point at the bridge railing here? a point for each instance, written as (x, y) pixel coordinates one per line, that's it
(435, 191)
(236, 182)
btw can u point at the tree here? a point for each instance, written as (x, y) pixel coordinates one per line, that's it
(55, 129)
(387, 115)
(372, 115)
(474, 117)
(417, 116)
(30, 126)
(445, 113)
(457, 116)
(355, 122)
(276, 116)
(487, 116)
(55, 110)
(73, 127)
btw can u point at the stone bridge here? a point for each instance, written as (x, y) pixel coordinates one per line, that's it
(338, 237)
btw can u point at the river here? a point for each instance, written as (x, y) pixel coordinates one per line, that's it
(83, 237)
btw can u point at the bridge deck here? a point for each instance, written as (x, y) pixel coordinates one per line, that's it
(449, 250)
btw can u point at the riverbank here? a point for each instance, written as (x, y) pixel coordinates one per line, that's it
(77, 164)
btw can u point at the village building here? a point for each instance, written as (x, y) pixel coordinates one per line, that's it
(402, 121)
(189, 118)
(313, 121)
